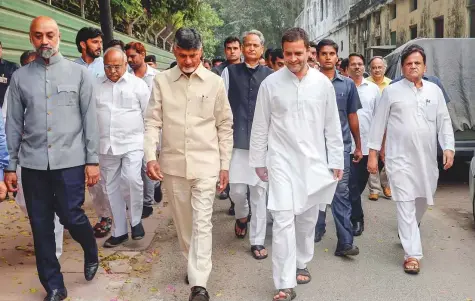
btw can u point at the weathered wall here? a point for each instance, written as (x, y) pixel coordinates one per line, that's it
(454, 12)
(333, 25)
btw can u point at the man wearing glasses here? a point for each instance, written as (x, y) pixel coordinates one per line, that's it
(121, 102)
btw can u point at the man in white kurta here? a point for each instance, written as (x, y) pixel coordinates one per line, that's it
(297, 145)
(415, 114)
(369, 95)
(122, 99)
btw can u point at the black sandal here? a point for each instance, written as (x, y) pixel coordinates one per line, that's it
(258, 248)
(290, 294)
(103, 227)
(241, 226)
(198, 293)
(305, 273)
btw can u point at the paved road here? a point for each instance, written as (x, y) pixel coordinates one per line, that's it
(448, 269)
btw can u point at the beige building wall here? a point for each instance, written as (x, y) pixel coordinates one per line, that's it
(383, 29)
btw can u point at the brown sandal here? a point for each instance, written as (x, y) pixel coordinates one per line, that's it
(290, 294)
(411, 266)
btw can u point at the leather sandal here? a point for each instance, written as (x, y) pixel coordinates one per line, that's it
(290, 294)
(241, 226)
(198, 293)
(304, 273)
(411, 266)
(258, 248)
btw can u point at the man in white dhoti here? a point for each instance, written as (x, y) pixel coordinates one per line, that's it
(242, 83)
(296, 145)
(122, 99)
(415, 114)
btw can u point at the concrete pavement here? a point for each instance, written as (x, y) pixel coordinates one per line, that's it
(448, 269)
(154, 268)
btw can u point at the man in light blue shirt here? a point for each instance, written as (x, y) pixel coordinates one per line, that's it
(89, 44)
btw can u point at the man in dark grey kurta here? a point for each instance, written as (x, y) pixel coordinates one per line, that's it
(52, 133)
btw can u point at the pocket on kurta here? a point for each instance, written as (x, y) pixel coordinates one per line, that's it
(67, 95)
(430, 111)
(206, 106)
(127, 102)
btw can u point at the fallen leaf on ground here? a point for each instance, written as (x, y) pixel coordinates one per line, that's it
(219, 295)
(153, 289)
(326, 250)
(33, 290)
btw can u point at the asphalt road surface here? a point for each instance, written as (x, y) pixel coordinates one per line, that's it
(447, 270)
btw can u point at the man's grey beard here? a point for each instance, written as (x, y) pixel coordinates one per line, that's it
(46, 54)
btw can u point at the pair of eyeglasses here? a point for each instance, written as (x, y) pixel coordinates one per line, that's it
(112, 67)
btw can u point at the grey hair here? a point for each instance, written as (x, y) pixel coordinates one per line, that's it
(187, 38)
(254, 32)
(385, 63)
(116, 50)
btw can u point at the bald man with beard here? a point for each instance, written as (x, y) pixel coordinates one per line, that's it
(52, 133)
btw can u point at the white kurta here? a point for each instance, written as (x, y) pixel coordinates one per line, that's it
(414, 119)
(369, 95)
(297, 129)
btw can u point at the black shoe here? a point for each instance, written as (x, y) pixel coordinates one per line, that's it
(187, 281)
(56, 295)
(157, 195)
(319, 235)
(223, 195)
(231, 209)
(146, 211)
(138, 231)
(90, 270)
(347, 250)
(115, 241)
(358, 228)
(198, 293)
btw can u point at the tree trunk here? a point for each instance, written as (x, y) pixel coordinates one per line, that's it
(106, 20)
(129, 28)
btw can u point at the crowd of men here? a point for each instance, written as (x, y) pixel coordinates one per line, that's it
(291, 130)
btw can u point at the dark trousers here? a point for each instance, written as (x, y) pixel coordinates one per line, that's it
(341, 209)
(359, 176)
(62, 192)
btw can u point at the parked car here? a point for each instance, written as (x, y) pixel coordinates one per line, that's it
(451, 61)
(471, 181)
